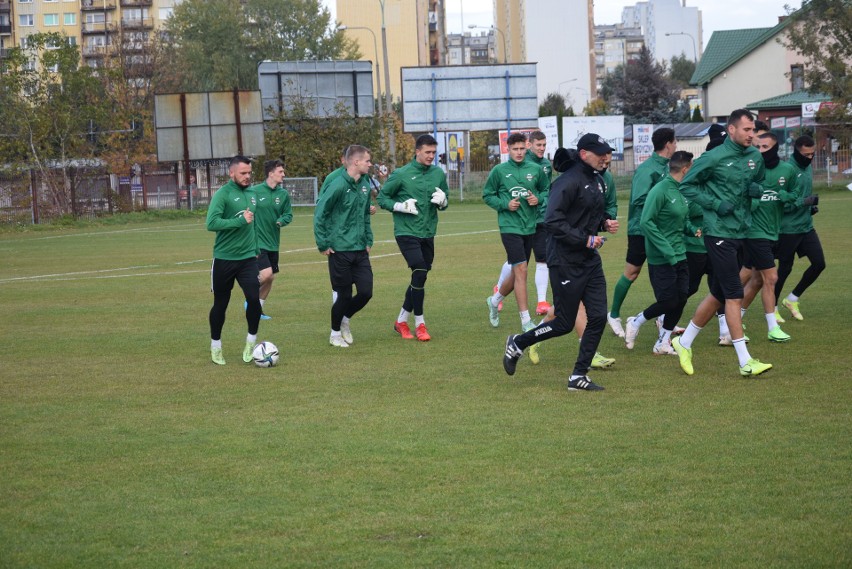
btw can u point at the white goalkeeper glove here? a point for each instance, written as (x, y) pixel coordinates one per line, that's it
(439, 198)
(408, 206)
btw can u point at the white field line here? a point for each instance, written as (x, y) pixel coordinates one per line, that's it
(100, 274)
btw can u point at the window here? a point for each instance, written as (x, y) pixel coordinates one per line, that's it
(69, 18)
(71, 40)
(95, 17)
(797, 77)
(166, 13)
(25, 1)
(25, 20)
(51, 19)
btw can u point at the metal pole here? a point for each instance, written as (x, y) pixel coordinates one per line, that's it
(388, 99)
(508, 107)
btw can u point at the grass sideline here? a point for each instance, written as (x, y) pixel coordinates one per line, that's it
(123, 446)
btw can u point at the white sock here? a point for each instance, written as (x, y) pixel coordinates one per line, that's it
(495, 300)
(403, 316)
(215, 343)
(335, 333)
(251, 338)
(344, 322)
(689, 335)
(742, 313)
(665, 336)
(333, 296)
(771, 322)
(542, 275)
(639, 319)
(525, 316)
(742, 351)
(418, 320)
(262, 301)
(723, 326)
(505, 271)
(792, 297)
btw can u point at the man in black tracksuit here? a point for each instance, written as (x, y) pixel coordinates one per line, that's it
(576, 212)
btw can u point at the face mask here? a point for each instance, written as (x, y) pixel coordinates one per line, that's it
(802, 160)
(770, 157)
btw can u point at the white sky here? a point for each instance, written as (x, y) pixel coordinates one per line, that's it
(716, 14)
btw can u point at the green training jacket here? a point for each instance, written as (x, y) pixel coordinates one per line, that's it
(647, 175)
(779, 188)
(342, 215)
(273, 212)
(798, 219)
(332, 176)
(610, 199)
(692, 243)
(719, 181)
(235, 239)
(414, 180)
(511, 180)
(665, 217)
(547, 168)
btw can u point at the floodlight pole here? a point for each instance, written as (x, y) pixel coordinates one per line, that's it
(388, 99)
(343, 28)
(694, 50)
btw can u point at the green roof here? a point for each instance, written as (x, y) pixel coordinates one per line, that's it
(726, 47)
(794, 99)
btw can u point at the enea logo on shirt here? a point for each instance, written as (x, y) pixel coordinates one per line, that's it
(519, 192)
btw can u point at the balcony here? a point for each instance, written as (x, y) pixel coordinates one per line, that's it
(97, 5)
(5, 29)
(5, 6)
(135, 3)
(98, 27)
(4, 52)
(94, 50)
(138, 24)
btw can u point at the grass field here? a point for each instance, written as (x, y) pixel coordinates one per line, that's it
(121, 445)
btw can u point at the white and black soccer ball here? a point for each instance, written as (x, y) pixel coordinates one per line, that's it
(265, 354)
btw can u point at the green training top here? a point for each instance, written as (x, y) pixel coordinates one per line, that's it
(692, 243)
(273, 212)
(342, 215)
(665, 222)
(235, 239)
(610, 199)
(719, 181)
(779, 188)
(547, 168)
(646, 176)
(511, 180)
(332, 176)
(798, 219)
(414, 180)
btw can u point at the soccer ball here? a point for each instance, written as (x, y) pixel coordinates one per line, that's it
(265, 354)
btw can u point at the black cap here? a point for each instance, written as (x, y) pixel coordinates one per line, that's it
(594, 143)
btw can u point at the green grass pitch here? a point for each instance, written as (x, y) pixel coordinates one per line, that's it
(122, 445)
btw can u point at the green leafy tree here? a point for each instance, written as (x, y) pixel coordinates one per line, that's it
(642, 92)
(51, 108)
(681, 70)
(696, 115)
(821, 32)
(596, 108)
(216, 45)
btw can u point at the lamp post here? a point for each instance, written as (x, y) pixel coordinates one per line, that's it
(391, 133)
(558, 87)
(694, 50)
(502, 35)
(343, 28)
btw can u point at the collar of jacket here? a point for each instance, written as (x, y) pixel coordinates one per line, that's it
(421, 167)
(734, 147)
(532, 157)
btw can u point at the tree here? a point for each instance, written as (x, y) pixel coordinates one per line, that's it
(696, 115)
(642, 91)
(596, 108)
(681, 70)
(553, 105)
(821, 32)
(51, 111)
(215, 45)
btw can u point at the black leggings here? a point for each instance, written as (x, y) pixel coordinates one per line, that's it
(805, 245)
(222, 276)
(347, 268)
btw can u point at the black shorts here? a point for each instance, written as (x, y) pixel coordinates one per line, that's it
(540, 244)
(698, 267)
(518, 247)
(636, 250)
(224, 273)
(725, 257)
(267, 259)
(418, 252)
(670, 282)
(346, 268)
(759, 254)
(801, 244)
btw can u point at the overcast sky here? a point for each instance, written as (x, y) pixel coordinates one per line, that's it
(716, 14)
